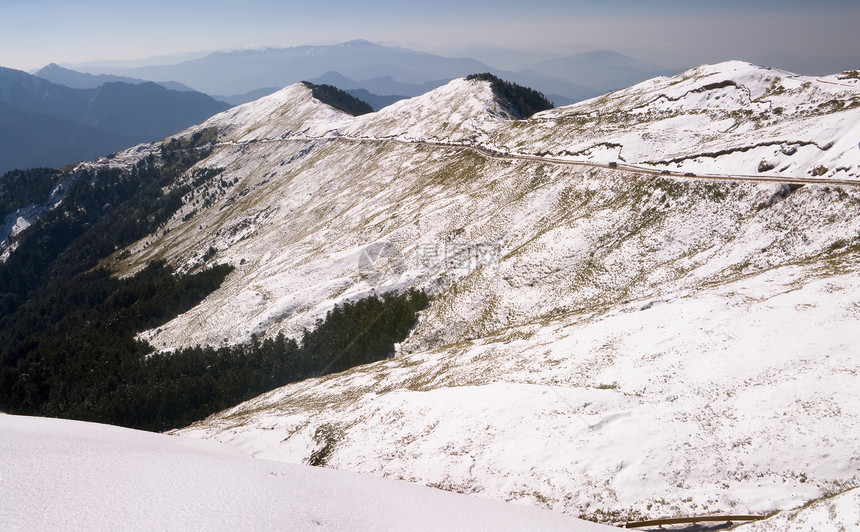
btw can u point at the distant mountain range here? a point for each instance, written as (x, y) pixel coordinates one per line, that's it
(47, 124)
(82, 80)
(387, 70)
(333, 78)
(603, 71)
(61, 115)
(381, 85)
(252, 69)
(81, 112)
(29, 140)
(386, 73)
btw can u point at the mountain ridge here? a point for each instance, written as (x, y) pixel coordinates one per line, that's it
(359, 59)
(404, 121)
(547, 286)
(81, 80)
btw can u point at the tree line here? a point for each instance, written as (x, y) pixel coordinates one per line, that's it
(339, 99)
(74, 354)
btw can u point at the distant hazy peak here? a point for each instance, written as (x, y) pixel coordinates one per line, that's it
(82, 80)
(355, 43)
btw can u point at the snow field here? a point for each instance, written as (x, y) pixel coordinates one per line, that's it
(69, 475)
(726, 400)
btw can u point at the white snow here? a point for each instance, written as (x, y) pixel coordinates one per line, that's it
(729, 107)
(291, 111)
(458, 112)
(738, 399)
(599, 343)
(840, 512)
(24, 217)
(68, 475)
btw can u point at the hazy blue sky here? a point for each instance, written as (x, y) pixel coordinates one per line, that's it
(669, 32)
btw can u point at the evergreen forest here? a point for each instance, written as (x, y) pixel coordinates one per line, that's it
(339, 99)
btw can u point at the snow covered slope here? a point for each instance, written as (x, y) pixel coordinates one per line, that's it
(459, 112)
(732, 118)
(736, 398)
(289, 112)
(16, 222)
(66, 475)
(604, 343)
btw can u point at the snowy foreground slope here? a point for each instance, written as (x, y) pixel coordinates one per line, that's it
(736, 399)
(67, 475)
(603, 343)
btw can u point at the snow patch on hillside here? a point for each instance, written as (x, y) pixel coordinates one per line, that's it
(24, 217)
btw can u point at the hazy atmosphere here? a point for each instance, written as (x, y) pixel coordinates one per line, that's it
(670, 33)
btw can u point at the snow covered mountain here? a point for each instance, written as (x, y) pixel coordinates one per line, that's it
(308, 188)
(731, 118)
(603, 340)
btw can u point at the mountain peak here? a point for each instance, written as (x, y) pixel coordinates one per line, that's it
(463, 110)
(459, 111)
(605, 54)
(357, 43)
(288, 111)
